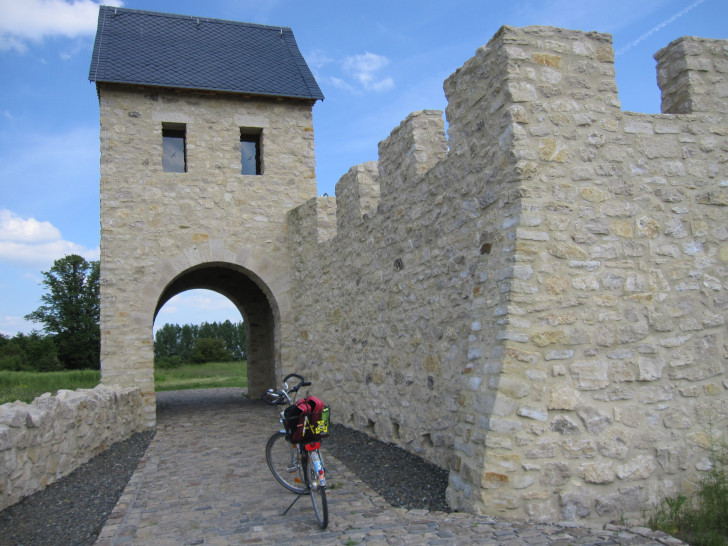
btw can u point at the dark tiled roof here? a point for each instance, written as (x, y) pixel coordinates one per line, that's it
(161, 49)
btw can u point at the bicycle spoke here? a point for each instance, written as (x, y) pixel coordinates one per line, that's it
(284, 463)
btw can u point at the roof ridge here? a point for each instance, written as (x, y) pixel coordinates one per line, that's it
(198, 18)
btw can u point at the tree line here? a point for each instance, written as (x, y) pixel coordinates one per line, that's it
(71, 337)
(198, 343)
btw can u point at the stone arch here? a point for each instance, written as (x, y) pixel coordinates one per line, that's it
(256, 304)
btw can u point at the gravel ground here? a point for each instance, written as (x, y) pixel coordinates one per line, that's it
(73, 510)
(390, 470)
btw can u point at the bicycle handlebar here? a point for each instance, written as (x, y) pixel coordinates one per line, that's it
(282, 397)
(301, 382)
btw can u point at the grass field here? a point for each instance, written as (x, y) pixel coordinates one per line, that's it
(25, 386)
(202, 376)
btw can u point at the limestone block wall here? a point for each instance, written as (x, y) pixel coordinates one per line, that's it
(384, 309)
(51, 437)
(693, 76)
(615, 325)
(541, 308)
(157, 227)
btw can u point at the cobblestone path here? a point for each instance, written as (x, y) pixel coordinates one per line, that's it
(204, 480)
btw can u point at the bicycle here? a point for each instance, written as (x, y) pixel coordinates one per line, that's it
(292, 454)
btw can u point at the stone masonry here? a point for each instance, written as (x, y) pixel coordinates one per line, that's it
(538, 301)
(210, 227)
(49, 438)
(535, 301)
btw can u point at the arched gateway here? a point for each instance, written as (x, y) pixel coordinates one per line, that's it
(206, 144)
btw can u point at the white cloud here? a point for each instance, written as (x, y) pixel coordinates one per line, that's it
(317, 59)
(28, 242)
(365, 68)
(362, 72)
(341, 84)
(198, 301)
(11, 325)
(195, 307)
(22, 21)
(15, 228)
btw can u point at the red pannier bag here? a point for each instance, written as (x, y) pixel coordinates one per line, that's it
(306, 421)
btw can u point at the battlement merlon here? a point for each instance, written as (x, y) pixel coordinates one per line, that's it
(692, 74)
(357, 194)
(311, 223)
(551, 70)
(410, 150)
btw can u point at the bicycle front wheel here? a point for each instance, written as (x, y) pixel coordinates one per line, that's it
(318, 495)
(285, 463)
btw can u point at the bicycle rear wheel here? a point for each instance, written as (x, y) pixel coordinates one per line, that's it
(318, 495)
(284, 463)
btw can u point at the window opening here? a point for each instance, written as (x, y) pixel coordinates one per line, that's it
(250, 150)
(174, 147)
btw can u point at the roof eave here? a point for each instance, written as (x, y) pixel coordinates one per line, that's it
(312, 99)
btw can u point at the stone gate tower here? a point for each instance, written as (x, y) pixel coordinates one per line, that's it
(206, 143)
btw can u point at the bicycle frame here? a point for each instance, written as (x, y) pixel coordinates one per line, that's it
(299, 460)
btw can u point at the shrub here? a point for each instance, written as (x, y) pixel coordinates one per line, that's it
(29, 352)
(209, 349)
(167, 362)
(13, 363)
(702, 519)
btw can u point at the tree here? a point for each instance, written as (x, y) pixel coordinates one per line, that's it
(11, 355)
(210, 349)
(70, 313)
(187, 337)
(166, 341)
(241, 350)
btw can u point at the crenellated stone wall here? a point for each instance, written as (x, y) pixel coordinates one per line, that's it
(538, 302)
(49, 438)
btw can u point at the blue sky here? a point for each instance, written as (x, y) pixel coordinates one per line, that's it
(375, 62)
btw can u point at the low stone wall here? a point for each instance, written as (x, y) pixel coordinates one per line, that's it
(49, 438)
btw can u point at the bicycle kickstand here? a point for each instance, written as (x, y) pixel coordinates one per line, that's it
(294, 502)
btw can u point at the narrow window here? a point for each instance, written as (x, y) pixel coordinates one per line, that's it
(174, 149)
(250, 150)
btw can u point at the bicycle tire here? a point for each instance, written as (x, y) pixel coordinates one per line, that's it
(318, 495)
(284, 463)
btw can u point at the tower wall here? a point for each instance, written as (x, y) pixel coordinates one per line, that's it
(158, 227)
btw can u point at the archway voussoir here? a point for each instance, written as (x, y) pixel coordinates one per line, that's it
(219, 252)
